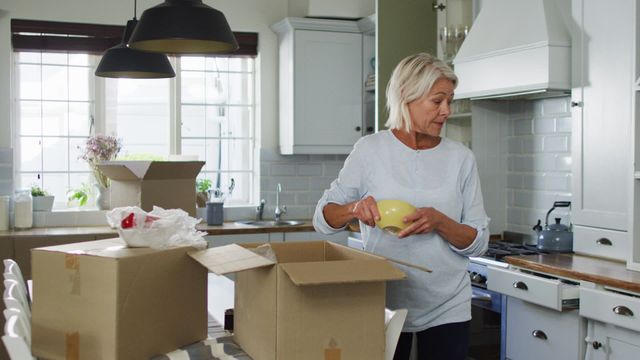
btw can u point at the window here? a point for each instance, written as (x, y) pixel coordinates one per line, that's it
(207, 111)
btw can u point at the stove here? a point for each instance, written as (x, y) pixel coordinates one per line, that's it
(488, 310)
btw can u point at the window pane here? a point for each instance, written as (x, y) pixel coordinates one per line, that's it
(30, 154)
(216, 88)
(54, 58)
(193, 120)
(30, 114)
(55, 154)
(29, 57)
(58, 186)
(54, 118)
(79, 83)
(28, 179)
(215, 118)
(194, 147)
(79, 119)
(240, 88)
(192, 88)
(212, 155)
(238, 123)
(192, 63)
(76, 148)
(217, 64)
(241, 64)
(55, 83)
(242, 191)
(29, 82)
(237, 154)
(79, 59)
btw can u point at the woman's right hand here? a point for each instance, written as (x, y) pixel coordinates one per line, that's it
(366, 210)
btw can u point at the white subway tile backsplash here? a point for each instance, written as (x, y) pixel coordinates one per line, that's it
(532, 144)
(514, 181)
(557, 182)
(287, 169)
(556, 144)
(533, 182)
(523, 127)
(544, 162)
(563, 124)
(521, 163)
(544, 125)
(308, 197)
(332, 169)
(321, 182)
(555, 106)
(514, 145)
(563, 163)
(309, 169)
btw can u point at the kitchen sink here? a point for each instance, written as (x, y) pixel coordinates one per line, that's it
(270, 223)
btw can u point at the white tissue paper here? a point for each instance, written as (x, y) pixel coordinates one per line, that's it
(157, 229)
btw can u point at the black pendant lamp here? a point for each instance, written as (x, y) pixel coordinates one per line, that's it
(121, 61)
(183, 27)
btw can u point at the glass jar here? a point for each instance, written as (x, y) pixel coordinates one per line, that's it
(5, 200)
(22, 209)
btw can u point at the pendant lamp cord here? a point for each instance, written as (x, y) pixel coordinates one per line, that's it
(135, 9)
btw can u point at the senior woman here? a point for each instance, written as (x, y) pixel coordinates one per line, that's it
(411, 162)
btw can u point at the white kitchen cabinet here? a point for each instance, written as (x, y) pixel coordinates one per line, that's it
(602, 79)
(321, 85)
(608, 342)
(633, 258)
(535, 332)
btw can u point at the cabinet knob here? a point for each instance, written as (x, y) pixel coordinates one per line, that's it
(622, 310)
(576, 104)
(604, 241)
(539, 334)
(520, 285)
(358, 128)
(369, 128)
(437, 6)
(596, 345)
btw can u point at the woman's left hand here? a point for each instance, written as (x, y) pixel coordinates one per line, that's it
(422, 221)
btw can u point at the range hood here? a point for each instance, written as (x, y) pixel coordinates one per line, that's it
(516, 49)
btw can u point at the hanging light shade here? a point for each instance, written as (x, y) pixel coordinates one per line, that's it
(183, 27)
(121, 61)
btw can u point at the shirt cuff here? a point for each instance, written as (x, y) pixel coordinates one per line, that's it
(479, 245)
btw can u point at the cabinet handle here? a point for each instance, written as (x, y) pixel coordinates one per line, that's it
(604, 241)
(596, 345)
(437, 6)
(539, 334)
(520, 285)
(358, 128)
(369, 128)
(622, 310)
(576, 104)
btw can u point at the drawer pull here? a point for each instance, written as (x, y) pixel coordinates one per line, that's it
(596, 345)
(520, 285)
(539, 334)
(604, 241)
(622, 310)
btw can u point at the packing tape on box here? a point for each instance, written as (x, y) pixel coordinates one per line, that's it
(72, 264)
(333, 352)
(72, 345)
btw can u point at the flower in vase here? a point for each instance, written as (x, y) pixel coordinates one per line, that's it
(99, 148)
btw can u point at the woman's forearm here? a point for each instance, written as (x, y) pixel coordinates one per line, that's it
(459, 235)
(337, 215)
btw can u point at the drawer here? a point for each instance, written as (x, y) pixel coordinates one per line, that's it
(610, 307)
(552, 293)
(535, 332)
(611, 244)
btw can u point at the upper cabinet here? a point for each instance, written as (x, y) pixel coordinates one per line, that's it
(321, 85)
(633, 261)
(602, 81)
(454, 21)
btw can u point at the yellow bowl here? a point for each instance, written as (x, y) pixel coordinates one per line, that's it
(391, 214)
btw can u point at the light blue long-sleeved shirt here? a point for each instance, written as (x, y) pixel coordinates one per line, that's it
(445, 178)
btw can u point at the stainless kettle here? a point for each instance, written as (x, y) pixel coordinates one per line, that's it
(555, 237)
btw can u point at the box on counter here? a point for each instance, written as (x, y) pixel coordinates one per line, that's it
(102, 300)
(167, 184)
(317, 301)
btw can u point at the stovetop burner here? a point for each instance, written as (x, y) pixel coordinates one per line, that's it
(499, 249)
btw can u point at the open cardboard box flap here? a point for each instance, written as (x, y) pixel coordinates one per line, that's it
(340, 272)
(151, 170)
(229, 259)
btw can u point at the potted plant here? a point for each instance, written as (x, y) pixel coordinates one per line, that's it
(202, 192)
(42, 200)
(101, 148)
(79, 196)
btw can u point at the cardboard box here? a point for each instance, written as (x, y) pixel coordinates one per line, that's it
(168, 184)
(318, 301)
(102, 300)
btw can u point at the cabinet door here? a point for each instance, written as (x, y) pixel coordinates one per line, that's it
(534, 332)
(601, 110)
(608, 342)
(328, 91)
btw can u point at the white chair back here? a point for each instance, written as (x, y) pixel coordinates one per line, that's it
(12, 272)
(14, 292)
(393, 320)
(24, 322)
(15, 340)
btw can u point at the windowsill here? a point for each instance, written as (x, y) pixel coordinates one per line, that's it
(94, 217)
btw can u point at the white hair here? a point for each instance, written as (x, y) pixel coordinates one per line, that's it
(413, 77)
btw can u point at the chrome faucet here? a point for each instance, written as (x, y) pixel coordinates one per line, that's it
(260, 209)
(279, 211)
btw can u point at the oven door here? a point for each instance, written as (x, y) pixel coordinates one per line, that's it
(487, 338)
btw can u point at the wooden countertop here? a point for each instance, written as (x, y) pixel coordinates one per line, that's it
(580, 267)
(227, 228)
